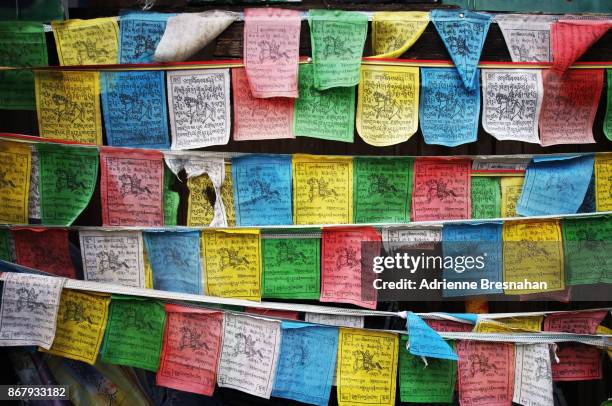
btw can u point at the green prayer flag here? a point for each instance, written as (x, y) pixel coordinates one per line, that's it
(5, 245)
(607, 126)
(486, 197)
(382, 189)
(291, 267)
(337, 38)
(21, 44)
(434, 383)
(325, 114)
(586, 247)
(171, 199)
(134, 332)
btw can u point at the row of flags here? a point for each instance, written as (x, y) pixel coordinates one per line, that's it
(339, 265)
(195, 349)
(54, 183)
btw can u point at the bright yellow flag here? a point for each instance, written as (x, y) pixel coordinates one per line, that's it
(68, 106)
(148, 270)
(510, 325)
(603, 182)
(393, 32)
(81, 321)
(387, 104)
(87, 42)
(227, 194)
(15, 165)
(366, 367)
(200, 210)
(533, 253)
(511, 187)
(322, 189)
(232, 261)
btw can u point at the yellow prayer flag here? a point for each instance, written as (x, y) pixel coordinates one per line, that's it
(87, 42)
(232, 261)
(366, 367)
(148, 270)
(322, 189)
(394, 32)
(15, 166)
(533, 253)
(387, 104)
(68, 106)
(510, 325)
(200, 210)
(227, 194)
(81, 321)
(603, 182)
(511, 187)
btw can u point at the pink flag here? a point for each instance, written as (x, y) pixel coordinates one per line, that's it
(272, 51)
(448, 326)
(281, 314)
(191, 348)
(572, 38)
(577, 323)
(485, 373)
(346, 269)
(132, 187)
(441, 189)
(569, 106)
(577, 362)
(259, 119)
(45, 250)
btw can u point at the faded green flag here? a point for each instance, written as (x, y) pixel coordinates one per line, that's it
(486, 197)
(291, 267)
(134, 332)
(5, 245)
(382, 189)
(21, 44)
(607, 126)
(171, 199)
(337, 39)
(68, 178)
(586, 247)
(420, 384)
(325, 114)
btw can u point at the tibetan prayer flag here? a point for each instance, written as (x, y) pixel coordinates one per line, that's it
(47, 250)
(486, 197)
(171, 199)
(394, 32)
(423, 341)
(6, 245)
(532, 375)
(583, 322)
(607, 127)
(86, 42)
(570, 39)
(511, 187)
(34, 192)
(15, 167)
(339, 320)
(577, 362)
(527, 36)
(139, 35)
(586, 248)
(603, 182)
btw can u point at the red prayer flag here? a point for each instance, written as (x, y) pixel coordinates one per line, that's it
(47, 250)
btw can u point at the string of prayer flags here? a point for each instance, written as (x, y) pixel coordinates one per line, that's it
(134, 332)
(68, 106)
(23, 44)
(34, 190)
(448, 111)
(533, 252)
(47, 250)
(199, 107)
(322, 189)
(485, 373)
(81, 321)
(532, 375)
(570, 106)
(114, 257)
(187, 33)
(367, 367)
(191, 349)
(131, 186)
(171, 199)
(257, 118)
(272, 51)
(325, 114)
(585, 242)
(486, 197)
(463, 33)
(603, 182)
(134, 107)
(5, 245)
(175, 260)
(86, 42)
(290, 268)
(584, 322)
(571, 38)
(339, 320)
(382, 189)
(423, 341)
(67, 180)
(441, 189)
(337, 40)
(387, 105)
(511, 187)
(607, 127)
(393, 33)
(555, 185)
(527, 36)
(577, 362)
(512, 100)
(306, 363)
(472, 240)
(345, 251)
(420, 383)
(15, 168)
(139, 35)
(28, 314)
(232, 263)
(249, 354)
